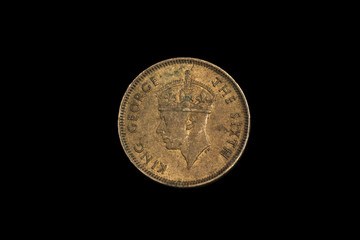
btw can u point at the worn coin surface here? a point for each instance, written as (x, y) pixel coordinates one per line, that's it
(184, 122)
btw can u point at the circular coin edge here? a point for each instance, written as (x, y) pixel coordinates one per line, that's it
(182, 184)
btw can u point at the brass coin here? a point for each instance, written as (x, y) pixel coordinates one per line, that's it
(184, 122)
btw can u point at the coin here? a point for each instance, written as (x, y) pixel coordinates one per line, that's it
(184, 122)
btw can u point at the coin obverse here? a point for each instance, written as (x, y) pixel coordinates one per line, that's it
(184, 122)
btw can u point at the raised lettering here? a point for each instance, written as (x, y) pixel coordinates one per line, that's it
(132, 127)
(155, 164)
(237, 125)
(230, 99)
(236, 133)
(132, 117)
(225, 152)
(146, 87)
(138, 97)
(233, 143)
(235, 129)
(147, 157)
(225, 90)
(154, 81)
(134, 107)
(234, 115)
(140, 149)
(217, 82)
(162, 168)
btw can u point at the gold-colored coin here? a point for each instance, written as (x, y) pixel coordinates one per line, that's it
(184, 122)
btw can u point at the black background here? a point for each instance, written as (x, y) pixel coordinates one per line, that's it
(81, 59)
(94, 67)
(102, 168)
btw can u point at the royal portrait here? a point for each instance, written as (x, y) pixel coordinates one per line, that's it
(184, 106)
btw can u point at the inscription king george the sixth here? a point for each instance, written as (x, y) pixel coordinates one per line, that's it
(184, 122)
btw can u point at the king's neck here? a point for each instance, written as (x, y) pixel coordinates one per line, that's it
(194, 145)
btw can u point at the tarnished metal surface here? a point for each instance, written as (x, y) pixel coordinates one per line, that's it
(184, 122)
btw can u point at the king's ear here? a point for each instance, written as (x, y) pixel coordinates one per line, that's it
(189, 124)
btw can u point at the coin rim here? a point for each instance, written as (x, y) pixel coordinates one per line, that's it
(122, 134)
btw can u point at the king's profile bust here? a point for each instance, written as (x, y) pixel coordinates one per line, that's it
(184, 107)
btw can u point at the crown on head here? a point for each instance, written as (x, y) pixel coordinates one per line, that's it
(186, 96)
